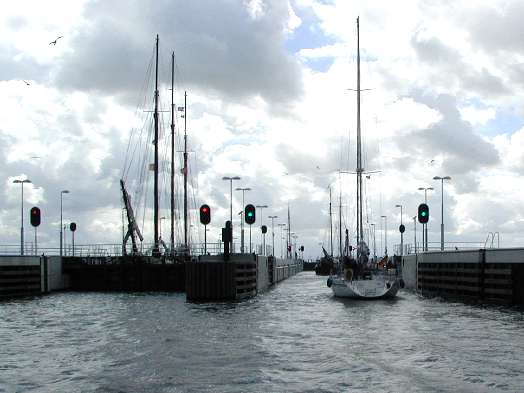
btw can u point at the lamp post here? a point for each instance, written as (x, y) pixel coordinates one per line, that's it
(281, 239)
(231, 194)
(442, 209)
(273, 233)
(241, 217)
(401, 233)
(21, 182)
(61, 225)
(425, 226)
(261, 207)
(415, 233)
(385, 234)
(231, 203)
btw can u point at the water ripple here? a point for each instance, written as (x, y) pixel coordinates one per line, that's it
(294, 338)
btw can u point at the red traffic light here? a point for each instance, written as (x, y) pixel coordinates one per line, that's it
(35, 216)
(205, 214)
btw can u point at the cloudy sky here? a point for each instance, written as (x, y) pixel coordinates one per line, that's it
(268, 100)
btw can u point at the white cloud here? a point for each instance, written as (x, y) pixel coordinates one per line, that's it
(257, 111)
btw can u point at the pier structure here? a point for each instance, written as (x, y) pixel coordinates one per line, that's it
(494, 275)
(203, 278)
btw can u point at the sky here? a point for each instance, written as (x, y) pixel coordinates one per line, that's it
(269, 99)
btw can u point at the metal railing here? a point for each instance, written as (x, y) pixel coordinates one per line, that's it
(435, 246)
(114, 249)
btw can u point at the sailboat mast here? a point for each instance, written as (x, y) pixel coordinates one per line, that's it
(185, 171)
(360, 235)
(288, 233)
(172, 152)
(340, 219)
(330, 224)
(156, 249)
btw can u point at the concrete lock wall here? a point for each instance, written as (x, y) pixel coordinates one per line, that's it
(409, 271)
(21, 276)
(263, 279)
(57, 281)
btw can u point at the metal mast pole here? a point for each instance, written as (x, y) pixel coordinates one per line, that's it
(185, 171)
(172, 153)
(330, 223)
(340, 220)
(155, 198)
(288, 252)
(22, 222)
(360, 234)
(442, 215)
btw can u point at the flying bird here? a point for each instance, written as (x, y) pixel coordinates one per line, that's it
(54, 42)
(431, 162)
(27, 83)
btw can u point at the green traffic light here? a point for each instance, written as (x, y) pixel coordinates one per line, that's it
(423, 214)
(250, 214)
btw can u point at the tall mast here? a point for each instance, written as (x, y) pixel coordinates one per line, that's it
(288, 232)
(340, 219)
(330, 224)
(172, 153)
(156, 249)
(185, 171)
(360, 235)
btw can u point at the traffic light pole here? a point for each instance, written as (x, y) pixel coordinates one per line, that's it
(205, 239)
(36, 244)
(250, 239)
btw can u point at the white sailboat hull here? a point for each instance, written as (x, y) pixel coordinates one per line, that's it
(374, 289)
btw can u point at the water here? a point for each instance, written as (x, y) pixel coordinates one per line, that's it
(296, 337)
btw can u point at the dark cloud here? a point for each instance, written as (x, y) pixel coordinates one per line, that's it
(496, 30)
(463, 150)
(218, 46)
(447, 67)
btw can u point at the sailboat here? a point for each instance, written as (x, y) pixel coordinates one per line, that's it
(355, 279)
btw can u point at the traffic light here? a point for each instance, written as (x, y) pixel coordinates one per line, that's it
(249, 214)
(423, 213)
(264, 229)
(35, 216)
(302, 248)
(205, 214)
(72, 227)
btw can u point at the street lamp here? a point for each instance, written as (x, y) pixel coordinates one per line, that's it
(273, 233)
(261, 207)
(231, 203)
(385, 234)
(241, 217)
(281, 239)
(231, 195)
(415, 232)
(401, 233)
(61, 229)
(442, 209)
(425, 226)
(22, 215)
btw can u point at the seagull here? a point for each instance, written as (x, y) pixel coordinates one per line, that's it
(27, 83)
(431, 162)
(54, 42)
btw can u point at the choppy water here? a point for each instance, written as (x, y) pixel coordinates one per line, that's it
(296, 337)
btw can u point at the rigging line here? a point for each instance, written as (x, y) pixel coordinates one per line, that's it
(137, 108)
